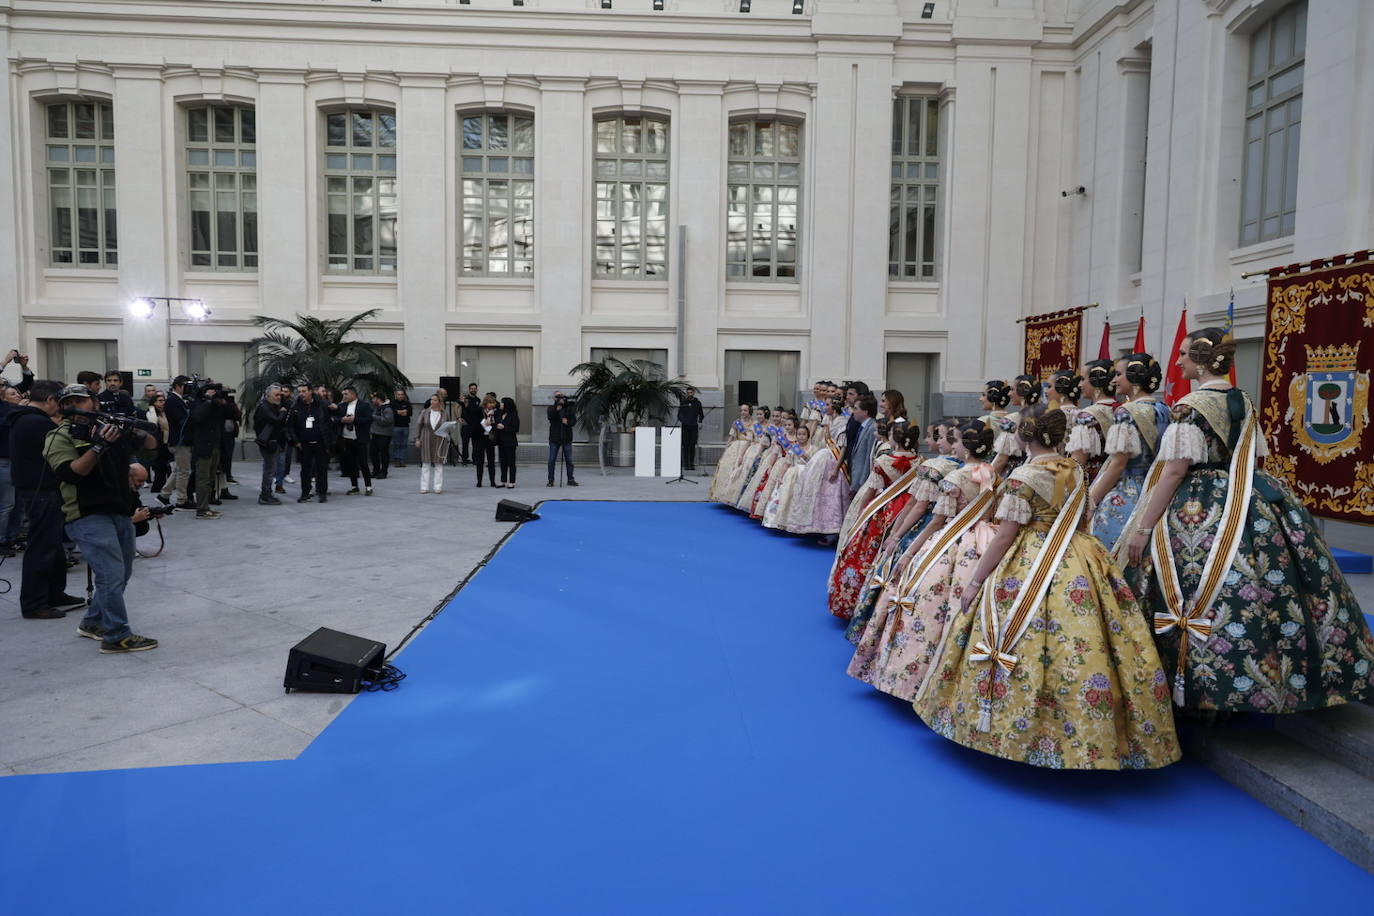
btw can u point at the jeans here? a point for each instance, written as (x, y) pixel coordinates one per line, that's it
(107, 543)
(566, 449)
(269, 468)
(400, 443)
(283, 465)
(44, 577)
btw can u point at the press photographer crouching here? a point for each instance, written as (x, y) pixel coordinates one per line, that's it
(89, 452)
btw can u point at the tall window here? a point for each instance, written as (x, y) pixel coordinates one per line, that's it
(360, 187)
(915, 188)
(764, 185)
(631, 197)
(81, 183)
(1273, 127)
(222, 186)
(498, 193)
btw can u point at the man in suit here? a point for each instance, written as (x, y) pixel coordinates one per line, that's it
(852, 391)
(355, 429)
(312, 433)
(861, 458)
(689, 417)
(470, 412)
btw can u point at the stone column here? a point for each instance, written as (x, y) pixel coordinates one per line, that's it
(426, 256)
(562, 281)
(700, 197)
(287, 264)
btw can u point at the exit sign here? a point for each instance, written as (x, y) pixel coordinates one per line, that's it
(145, 373)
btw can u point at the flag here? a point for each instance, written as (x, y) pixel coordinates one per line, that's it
(1175, 385)
(1139, 346)
(1231, 323)
(1104, 349)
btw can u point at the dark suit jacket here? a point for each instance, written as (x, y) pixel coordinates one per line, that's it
(851, 436)
(506, 438)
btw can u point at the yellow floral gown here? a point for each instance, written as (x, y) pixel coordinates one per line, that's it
(729, 460)
(1086, 689)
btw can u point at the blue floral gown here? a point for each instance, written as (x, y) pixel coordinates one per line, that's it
(1136, 430)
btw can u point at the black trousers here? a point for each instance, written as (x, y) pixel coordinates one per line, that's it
(689, 447)
(314, 468)
(44, 576)
(484, 451)
(507, 462)
(353, 459)
(465, 438)
(379, 454)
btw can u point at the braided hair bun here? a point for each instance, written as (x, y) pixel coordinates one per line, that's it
(1028, 386)
(1100, 374)
(1068, 385)
(998, 393)
(1047, 427)
(906, 436)
(977, 437)
(1144, 371)
(1212, 349)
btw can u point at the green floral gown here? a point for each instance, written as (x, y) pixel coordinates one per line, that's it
(1287, 633)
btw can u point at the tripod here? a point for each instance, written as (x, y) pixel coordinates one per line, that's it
(681, 465)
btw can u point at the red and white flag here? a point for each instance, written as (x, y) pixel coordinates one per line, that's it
(1104, 350)
(1175, 385)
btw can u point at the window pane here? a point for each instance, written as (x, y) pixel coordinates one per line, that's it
(224, 125)
(763, 139)
(739, 139)
(1286, 81)
(932, 127)
(248, 160)
(336, 129)
(472, 163)
(605, 136)
(523, 141)
(630, 136)
(898, 108)
(58, 153)
(472, 132)
(386, 163)
(84, 153)
(523, 166)
(57, 121)
(386, 130)
(106, 114)
(336, 161)
(85, 120)
(225, 157)
(362, 128)
(248, 125)
(1259, 52)
(362, 161)
(498, 132)
(656, 137)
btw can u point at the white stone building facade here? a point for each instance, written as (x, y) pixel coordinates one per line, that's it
(523, 186)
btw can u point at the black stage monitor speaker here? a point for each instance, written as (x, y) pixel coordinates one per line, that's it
(748, 392)
(328, 661)
(451, 384)
(508, 510)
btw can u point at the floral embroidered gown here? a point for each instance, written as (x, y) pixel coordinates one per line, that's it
(904, 633)
(819, 504)
(1287, 633)
(748, 464)
(1008, 441)
(1136, 430)
(925, 488)
(1087, 432)
(856, 554)
(774, 477)
(775, 513)
(729, 460)
(1087, 689)
(756, 480)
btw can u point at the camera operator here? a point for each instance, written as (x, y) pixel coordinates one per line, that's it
(312, 432)
(91, 460)
(205, 428)
(562, 418)
(43, 589)
(269, 428)
(114, 399)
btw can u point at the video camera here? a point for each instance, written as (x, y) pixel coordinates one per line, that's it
(102, 419)
(198, 388)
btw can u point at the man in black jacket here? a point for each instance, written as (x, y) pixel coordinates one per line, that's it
(11, 516)
(312, 432)
(269, 429)
(562, 418)
(471, 417)
(355, 429)
(114, 399)
(43, 589)
(689, 417)
(174, 487)
(204, 429)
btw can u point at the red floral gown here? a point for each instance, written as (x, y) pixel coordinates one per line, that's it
(858, 553)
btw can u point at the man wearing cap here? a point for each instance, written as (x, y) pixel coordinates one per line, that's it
(91, 462)
(174, 488)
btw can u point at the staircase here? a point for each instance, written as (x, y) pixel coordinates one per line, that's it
(1314, 768)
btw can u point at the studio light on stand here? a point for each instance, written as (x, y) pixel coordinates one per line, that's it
(145, 306)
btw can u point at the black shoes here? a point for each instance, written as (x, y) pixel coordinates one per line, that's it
(268, 501)
(131, 643)
(66, 603)
(208, 513)
(225, 494)
(324, 497)
(304, 498)
(353, 491)
(279, 488)
(572, 483)
(47, 613)
(95, 632)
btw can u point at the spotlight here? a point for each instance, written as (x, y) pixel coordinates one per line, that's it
(928, 11)
(658, 4)
(196, 310)
(605, 4)
(797, 7)
(141, 308)
(744, 6)
(517, 2)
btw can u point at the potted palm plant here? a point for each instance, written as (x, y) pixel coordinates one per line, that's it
(318, 351)
(613, 397)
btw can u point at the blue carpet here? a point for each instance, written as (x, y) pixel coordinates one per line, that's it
(642, 708)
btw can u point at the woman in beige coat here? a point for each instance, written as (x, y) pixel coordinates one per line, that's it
(433, 445)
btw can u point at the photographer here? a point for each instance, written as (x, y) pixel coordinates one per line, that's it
(204, 429)
(91, 461)
(562, 417)
(114, 399)
(43, 589)
(269, 429)
(178, 443)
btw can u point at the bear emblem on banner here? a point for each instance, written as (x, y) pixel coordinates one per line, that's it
(1329, 403)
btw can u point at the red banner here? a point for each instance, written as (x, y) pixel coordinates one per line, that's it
(1052, 342)
(1314, 387)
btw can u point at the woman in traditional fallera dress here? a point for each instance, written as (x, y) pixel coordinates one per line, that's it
(781, 499)
(994, 400)
(1057, 667)
(1088, 432)
(749, 458)
(1011, 451)
(1237, 568)
(904, 633)
(1065, 392)
(886, 493)
(1132, 442)
(822, 495)
(774, 467)
(738, 441)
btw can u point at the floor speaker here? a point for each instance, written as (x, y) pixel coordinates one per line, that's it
(508, 510)
(328, 661)
(748, 392)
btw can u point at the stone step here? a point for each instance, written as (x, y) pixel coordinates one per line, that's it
(1343, 733)
(1329, 800)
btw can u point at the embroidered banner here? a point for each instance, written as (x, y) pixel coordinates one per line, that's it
(1052, 342)
(1314, 387)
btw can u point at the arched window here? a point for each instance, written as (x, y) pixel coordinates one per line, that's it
(631, 223)
(360, 191)
(222, 186)
(498, 193)
(915, 188)
(80, 158)
(762, 199)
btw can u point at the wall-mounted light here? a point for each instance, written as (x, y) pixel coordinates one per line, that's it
(798, 6)
(928, 11)
(658, 4)
(605, 4)
(744, 6)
